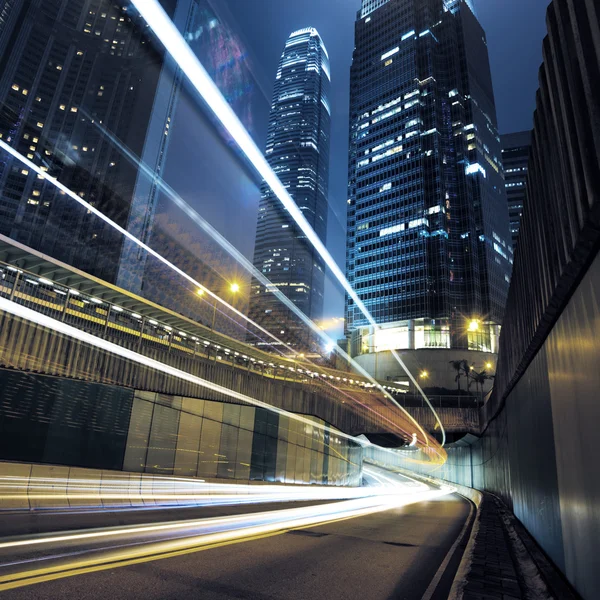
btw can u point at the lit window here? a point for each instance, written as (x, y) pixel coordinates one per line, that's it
(73, 109)
(15, 87)
(24, 172)
(32, 201)
(62, 107)
(40, 124)
(59, 67)
(25, 92)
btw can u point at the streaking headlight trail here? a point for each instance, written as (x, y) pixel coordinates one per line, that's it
(168, 34)
(37, 558)
(65, 190)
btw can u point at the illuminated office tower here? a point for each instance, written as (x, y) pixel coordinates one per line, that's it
(298, 151)
(66, 68)
(515, 158)
(429, 248)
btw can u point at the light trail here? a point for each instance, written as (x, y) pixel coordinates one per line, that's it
(65, 190)
(197, 284)
(79, 200)
(246, 264)
(153, 492)
(60, 327)
(170, 37)
(33, 559)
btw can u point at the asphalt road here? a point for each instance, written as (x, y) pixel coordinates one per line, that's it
(392, 554)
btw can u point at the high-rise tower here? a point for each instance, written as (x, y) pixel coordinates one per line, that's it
(298, 150)
(515, 158)
(67, 69)
(429, 249)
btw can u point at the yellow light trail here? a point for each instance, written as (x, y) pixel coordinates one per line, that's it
(94, 550)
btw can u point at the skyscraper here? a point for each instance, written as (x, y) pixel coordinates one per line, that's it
(298, 150)
(515, 158)
(65, 68)
(428, 247)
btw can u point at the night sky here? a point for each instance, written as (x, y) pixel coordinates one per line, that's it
(515, 29)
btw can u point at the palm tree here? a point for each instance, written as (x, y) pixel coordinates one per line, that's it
(457, 365)
(468, 371)
(480, 379)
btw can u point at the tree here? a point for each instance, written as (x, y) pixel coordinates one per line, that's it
(457, 365)
(480, 379)
(468, 371)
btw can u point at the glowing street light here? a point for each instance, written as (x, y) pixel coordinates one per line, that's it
(488, 365)
(474, 325)
(200, 292)
(424, 375)
(234, 288)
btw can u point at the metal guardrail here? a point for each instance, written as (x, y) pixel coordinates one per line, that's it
(123, 325)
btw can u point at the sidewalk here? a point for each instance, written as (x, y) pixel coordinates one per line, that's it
(493, 572)
(503, 562)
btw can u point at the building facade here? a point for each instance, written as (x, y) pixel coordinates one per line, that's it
(428, 247)
(515, 158)
(69, 69)
(298, 151)
(82, 87)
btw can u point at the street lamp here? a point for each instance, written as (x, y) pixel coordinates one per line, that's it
(474, 325)
(234, 288)
(424, 375)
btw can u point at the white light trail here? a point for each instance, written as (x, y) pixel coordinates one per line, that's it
(84, 551)
(173, 41)
(246, 264)
(65, 190)
(87, 338)
(79, 200)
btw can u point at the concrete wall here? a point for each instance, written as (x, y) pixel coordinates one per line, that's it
(540, 452)
(384, 367)
(58, 421)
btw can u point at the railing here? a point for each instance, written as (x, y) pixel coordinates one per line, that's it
(126, 327)
(442, 401)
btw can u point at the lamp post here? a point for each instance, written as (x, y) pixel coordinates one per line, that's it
(234, 288)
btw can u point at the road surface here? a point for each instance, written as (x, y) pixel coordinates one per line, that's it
(389, 554)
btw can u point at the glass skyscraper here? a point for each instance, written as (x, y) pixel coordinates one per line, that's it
(298, 151)
(515, 158)
(67, 69)
(428, 248)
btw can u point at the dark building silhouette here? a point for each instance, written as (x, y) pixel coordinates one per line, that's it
(515, 157)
